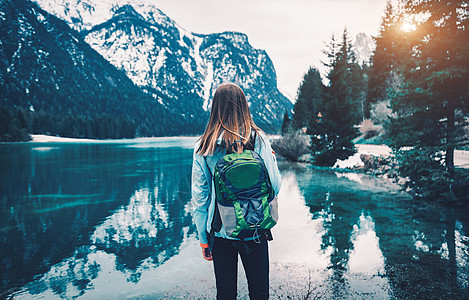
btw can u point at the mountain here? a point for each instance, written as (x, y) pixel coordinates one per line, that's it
(53, 82)
(363, 46)
(178, 68)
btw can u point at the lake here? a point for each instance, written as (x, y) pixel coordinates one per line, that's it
(112, 220)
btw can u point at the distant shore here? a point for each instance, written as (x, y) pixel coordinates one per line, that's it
(461, 157)
(354, 162)
(42, 138)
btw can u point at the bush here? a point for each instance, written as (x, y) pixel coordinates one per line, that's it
(380, 112)
(292, 145)
(428, 176)
(329, 158)
(368, 129)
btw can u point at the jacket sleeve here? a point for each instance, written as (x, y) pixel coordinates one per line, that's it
(268, 155)
(200, 196)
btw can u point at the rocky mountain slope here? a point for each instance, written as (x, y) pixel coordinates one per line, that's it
(179, 69)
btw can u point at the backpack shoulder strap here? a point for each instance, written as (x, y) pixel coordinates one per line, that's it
(216, 221)
(252, 141)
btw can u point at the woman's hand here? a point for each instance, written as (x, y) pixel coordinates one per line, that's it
(206, 253)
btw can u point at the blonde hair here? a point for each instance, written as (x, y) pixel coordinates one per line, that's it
(231, 116)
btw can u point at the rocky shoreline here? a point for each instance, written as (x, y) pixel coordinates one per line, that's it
(375, 160)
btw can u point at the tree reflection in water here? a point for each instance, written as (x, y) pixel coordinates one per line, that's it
(410, 250)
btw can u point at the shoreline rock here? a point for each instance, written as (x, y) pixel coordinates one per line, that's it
(384, 167)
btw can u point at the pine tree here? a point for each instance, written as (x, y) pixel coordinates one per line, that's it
(309, 100)
(334, 130)
(432, 104)
(358, 85)
(286, 125)
(383, 58)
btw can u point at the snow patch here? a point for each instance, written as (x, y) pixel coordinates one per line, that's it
(41, 138)
(132, 53)
(208, 82)
(349, 163)
(198, 59)
(40, 18)
(381, 150)
(186, 65)
(260, 58)
(355, 160)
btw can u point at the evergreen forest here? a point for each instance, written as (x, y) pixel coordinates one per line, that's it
(412, 95)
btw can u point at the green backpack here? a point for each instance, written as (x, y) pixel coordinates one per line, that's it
(245, 199)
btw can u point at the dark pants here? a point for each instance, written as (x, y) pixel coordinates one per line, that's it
(255, 259)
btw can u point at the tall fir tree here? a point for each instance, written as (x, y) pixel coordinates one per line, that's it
(334, 130)
(309, 102)
(383, 60)
(286, 125)
(358, 85)
(432, 104)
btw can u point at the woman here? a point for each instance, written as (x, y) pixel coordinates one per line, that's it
(230, 122)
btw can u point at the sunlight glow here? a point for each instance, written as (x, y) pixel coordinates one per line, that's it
(408, 27)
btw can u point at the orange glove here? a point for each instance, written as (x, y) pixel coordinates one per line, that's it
(206, 252)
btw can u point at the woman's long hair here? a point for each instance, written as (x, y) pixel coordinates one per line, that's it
(230, 115)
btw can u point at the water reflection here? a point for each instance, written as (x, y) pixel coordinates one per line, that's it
(63, 207)
(298, 233)
(366, 256)
(113, 221)
(145, 229)
(366, 262)
(383, 243)
(327, 236)
(139, 236)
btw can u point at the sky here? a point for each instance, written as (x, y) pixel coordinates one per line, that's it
(293, 32)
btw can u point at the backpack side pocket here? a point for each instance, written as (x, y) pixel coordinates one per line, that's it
(228, 218)
(273, 206)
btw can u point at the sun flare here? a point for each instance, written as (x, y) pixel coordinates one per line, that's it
(408, 27)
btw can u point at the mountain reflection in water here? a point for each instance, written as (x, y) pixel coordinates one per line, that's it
(112, 220)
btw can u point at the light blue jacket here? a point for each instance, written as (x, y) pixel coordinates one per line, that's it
(203, 191)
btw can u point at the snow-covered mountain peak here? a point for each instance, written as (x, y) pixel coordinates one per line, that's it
(127, 11)
(238, 37)
(363, 46)
(85, 14)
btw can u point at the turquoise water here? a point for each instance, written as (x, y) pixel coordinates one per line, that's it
(111, 220)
